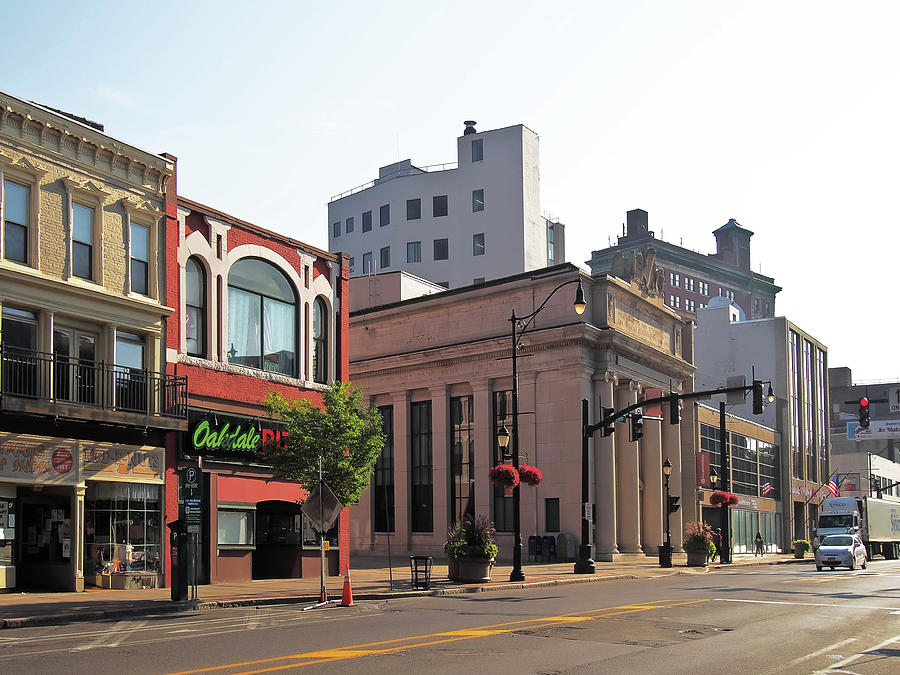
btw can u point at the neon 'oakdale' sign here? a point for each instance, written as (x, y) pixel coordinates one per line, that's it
(232, 439)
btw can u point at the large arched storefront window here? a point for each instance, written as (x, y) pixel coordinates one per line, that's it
(320, 341)
(262, 317)
(195, 308)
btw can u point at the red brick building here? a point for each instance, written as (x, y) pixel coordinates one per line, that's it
(255, 312)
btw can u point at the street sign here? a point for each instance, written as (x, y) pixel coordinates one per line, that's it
(322, 518)
(192, 493)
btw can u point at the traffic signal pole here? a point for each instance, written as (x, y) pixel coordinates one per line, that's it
(608, 419)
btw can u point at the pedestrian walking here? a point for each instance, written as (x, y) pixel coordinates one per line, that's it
(759, 544)
(717, 541)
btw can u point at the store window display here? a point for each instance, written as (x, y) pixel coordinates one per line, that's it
(122, 534)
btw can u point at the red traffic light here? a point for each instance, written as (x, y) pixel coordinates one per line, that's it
(864, 401)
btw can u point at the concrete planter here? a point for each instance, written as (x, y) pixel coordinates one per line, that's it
(696, 558)
(473, 570)
(799, 550)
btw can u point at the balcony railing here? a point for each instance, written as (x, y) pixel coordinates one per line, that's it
(28, 374)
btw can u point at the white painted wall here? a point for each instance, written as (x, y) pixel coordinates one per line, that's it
(514, 230)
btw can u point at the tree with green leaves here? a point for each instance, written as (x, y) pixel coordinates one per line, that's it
(346, 433)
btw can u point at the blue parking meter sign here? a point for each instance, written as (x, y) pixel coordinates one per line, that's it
(192, 493)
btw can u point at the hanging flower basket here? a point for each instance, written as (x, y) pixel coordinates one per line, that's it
(504, 476)
(719, 497)
(530, 475)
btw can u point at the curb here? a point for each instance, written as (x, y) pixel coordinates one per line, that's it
(189, 606)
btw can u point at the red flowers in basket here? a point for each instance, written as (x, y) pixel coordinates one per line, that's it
(504, 476)
(530, 475)
(720, 497)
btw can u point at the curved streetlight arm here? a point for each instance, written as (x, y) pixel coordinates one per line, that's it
(525, 321)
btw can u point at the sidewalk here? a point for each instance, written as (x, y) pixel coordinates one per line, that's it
(370, 578)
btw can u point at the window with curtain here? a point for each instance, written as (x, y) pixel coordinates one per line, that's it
(262, 317)
(15, 221)
(195, 308)
(320, 341)
(83, 241)
(140, 259)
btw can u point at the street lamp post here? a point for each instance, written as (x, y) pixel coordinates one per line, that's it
(665, 551)
(522, 323)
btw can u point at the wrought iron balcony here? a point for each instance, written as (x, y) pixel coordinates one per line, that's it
(38, 382)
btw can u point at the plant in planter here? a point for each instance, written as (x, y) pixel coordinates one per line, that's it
(801, 546)
(530, 475)
(471, 549)
(698, 543)
(733, 499)
(504, 476)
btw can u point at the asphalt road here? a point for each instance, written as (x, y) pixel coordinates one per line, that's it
(768, 619)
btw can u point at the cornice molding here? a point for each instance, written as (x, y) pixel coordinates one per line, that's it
(26, 123)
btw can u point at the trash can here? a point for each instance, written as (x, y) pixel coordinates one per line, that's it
(178, 559)
(665, 556)
(420, 571)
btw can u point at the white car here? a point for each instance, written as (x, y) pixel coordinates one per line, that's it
(841, 550)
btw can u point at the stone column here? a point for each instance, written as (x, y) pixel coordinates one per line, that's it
(671, 448)
(401, 468)
(628, 506)
(76, 546)
(440, 461)
(482, 404)
(46, 378)
(652, 496)
(604, 476)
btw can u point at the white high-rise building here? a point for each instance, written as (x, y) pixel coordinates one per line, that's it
(453, 224)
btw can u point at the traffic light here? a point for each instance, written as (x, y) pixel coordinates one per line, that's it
(607, 415)
(864, 412)
(757, 397)
(675, 409)
(637, 426)
(673, 503)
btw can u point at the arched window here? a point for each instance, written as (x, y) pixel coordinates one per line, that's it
(320, 341)
(262, 317)
(195, 308)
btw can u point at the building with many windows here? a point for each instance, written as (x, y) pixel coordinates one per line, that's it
(476, 219)
(795, 364)
(754, 476)
(867, 461)
(86, 407)
(444, 388)
(691, 279)
(255, 312)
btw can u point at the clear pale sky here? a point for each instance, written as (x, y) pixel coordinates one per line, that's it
(782, 115)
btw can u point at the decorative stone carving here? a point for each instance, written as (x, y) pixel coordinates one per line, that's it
(640, 269)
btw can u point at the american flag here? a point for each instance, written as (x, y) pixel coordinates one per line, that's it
(833, 487)
(766, 489)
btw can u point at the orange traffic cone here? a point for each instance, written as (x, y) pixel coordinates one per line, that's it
(347, 595)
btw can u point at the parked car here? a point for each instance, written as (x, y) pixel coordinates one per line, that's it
(844, 550)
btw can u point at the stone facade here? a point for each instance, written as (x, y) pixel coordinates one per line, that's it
(442, 349)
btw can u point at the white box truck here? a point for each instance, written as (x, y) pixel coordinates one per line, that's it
(876, 521)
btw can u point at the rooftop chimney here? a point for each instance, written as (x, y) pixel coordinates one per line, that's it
(470, 127)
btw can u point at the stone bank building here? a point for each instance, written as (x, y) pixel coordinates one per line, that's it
(439, 369)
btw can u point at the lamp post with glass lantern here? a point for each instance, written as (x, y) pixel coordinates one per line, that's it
(665, 551)
(520, 324)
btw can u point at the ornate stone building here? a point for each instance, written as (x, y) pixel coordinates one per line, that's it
(83, 395)
(439, 368)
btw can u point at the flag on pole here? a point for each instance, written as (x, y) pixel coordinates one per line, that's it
(766, 489)
(833, 487)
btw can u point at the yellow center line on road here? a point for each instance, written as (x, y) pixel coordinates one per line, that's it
(431, 639)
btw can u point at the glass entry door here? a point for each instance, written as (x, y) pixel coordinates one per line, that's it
(75, 366)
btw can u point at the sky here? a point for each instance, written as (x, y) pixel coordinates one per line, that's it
(782, 115)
